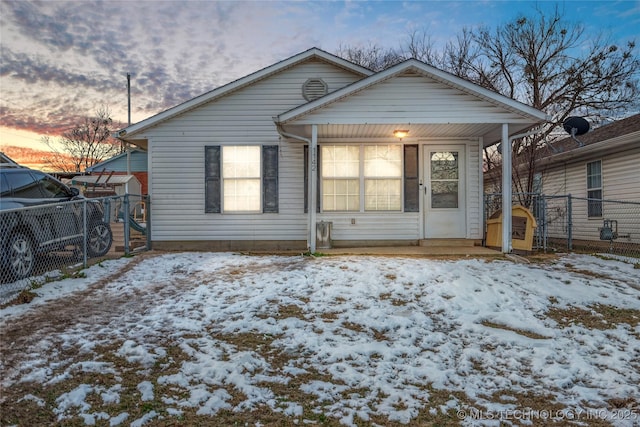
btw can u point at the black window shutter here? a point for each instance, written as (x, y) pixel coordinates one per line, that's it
(212, 179)
(270, 178)
(411, 179)
(306, 180)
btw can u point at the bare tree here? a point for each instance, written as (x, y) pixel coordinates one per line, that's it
(552, 66)
(373, 57)
(86, 144)
(543, 61)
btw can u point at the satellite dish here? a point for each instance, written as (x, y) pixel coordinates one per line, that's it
(576, 125)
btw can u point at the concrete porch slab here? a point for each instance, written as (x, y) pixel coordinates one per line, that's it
(415, 251)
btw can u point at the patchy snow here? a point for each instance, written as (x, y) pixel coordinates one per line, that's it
(371, 332)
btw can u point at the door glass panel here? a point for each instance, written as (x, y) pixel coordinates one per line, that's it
(444, 179)
(444, 165)
(444, 194)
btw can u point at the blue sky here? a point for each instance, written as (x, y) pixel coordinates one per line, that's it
(61, 60)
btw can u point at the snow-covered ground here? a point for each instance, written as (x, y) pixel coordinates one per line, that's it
(360, 337)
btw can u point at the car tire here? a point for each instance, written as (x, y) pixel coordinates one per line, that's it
(21, 256)
(99, 239)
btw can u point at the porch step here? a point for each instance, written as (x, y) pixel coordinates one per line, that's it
(136, 239)
(449, 242)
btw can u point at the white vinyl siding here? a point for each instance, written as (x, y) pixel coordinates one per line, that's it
(621, 177)
(474, 191)
(410, 99)
(245, 116)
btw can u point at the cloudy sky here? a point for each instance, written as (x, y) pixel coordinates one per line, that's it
(62, 60)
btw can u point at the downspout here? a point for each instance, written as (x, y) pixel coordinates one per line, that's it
(312, 179)
(507, 220)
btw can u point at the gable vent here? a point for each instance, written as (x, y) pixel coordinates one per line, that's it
(314, 89)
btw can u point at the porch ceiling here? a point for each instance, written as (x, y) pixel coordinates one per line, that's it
(491, 132)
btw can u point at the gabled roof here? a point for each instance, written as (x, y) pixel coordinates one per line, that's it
(607, 132)
(313, 53)
(104, 163)
(420, 67)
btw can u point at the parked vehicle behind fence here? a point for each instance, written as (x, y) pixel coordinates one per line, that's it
(40, 215)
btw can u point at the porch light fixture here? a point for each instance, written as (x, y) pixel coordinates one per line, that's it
(400, 133)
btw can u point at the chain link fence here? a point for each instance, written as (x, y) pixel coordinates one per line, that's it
(567, 223)
(47, 242)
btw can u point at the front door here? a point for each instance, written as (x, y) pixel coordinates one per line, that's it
(444, 186)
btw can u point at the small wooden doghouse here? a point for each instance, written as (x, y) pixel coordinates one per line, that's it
(523, 224)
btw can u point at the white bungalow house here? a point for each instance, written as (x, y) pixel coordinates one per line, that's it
(257, 163)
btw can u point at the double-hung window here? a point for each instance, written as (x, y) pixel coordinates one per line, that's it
(241, 179)
(340, 177)
(594, 189)
(382, 177)
(361, 176)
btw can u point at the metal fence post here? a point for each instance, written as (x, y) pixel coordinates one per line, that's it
(85, 236)
(545, 230)
(569, 223)
(125, 216)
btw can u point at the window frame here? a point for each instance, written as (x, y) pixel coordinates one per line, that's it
(268, 180)
(594, 204)
(363, 178)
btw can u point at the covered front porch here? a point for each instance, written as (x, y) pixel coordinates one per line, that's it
(431, 172)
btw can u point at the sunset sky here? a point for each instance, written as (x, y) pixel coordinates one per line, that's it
(62, 60)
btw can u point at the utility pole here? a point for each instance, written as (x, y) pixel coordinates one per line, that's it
(128, 124)
(129, 98)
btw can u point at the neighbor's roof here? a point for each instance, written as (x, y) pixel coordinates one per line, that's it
(604, 133)
(98, 166)
(242, 82)
(611, 138)
(102, 179)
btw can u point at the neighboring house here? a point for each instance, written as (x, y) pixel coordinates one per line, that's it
(257, 163)
(106, 183)
(135, 162)
(606, 168)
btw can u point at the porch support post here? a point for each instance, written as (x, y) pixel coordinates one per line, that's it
(313, 187)
(506, 190)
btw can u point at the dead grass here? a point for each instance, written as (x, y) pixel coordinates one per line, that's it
(597, 316)
(528, 334)
(24, 297)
